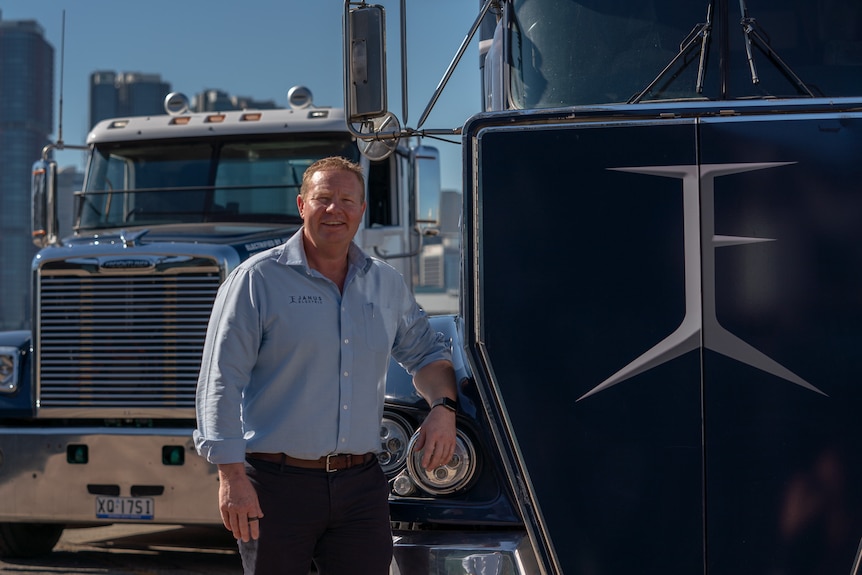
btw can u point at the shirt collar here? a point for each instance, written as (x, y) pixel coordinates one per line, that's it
(293, 254)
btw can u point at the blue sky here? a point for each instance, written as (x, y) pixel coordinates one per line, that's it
(257, 48)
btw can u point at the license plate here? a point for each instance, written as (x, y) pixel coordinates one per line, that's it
(124, 507)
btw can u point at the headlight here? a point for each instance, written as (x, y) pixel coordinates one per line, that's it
(447, 478)
(8, 369)
(394, 437)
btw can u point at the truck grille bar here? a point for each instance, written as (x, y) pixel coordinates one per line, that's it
(129, 342)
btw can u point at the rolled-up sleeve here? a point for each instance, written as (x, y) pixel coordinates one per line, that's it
(229, 355)
(416, 343)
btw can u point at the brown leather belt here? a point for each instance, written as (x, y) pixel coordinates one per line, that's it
(333, 462)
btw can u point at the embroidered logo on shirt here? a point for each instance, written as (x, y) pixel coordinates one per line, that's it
(306, 299)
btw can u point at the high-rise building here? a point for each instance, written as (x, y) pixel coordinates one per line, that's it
(126, 94)
(104, 102)
(212, 100)
(26, 122)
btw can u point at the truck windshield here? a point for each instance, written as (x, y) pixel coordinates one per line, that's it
(195, 181)
(577, 52)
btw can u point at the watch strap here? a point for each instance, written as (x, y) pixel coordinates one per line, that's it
(446, 402)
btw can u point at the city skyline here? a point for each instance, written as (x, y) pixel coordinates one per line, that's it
(260, 51)
(116, 94)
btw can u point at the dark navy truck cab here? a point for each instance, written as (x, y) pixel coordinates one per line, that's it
(660, 293)
(692, 402)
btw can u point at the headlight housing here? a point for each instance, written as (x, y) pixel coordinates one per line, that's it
(8, 369)
(394, 440)
(448, 478)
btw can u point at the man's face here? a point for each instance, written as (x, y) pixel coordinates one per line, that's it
(332, 209)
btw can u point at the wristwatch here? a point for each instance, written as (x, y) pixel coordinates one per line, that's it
(449, 404)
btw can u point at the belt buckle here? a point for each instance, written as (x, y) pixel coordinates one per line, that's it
(328, 468)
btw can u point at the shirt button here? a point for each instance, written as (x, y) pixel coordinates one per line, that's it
(346, 340)
(345, 374)
(344, 407)
(343, 440)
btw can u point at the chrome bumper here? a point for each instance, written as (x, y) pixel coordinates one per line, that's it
(463, 553)
(41, 482)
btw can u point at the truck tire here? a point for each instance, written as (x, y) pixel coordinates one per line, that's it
(26, 540)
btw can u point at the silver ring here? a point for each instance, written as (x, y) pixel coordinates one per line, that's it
(250, 519)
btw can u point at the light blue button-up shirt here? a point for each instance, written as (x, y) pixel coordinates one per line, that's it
(291, 365)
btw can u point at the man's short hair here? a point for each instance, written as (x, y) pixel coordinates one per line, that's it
(332, 163)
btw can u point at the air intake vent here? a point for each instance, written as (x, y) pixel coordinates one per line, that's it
(123, 345)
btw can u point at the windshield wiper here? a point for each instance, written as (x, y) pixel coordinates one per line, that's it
(704, 48)
(754, 34)
(701, 31)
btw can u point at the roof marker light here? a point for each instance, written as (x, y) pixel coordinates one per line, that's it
(299, 97)
(176, 103)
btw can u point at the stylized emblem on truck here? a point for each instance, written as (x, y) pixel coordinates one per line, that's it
(130, 264)
(700, 319)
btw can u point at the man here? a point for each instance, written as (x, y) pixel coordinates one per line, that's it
(291, 388)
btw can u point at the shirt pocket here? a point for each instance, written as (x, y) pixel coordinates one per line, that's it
(379, 327)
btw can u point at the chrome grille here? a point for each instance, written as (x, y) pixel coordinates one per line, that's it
(131, 343)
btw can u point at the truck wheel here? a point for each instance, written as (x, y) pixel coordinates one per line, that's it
(24, 540)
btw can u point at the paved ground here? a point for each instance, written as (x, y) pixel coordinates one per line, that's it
(136, 550)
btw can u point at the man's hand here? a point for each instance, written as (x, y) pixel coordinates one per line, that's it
(238, 503)
(437, 438)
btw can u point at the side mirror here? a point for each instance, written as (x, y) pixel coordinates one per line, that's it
(43, 197)
(365, 59)
(427, 186)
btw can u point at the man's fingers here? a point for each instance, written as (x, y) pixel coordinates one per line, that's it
(437, 454)
(437, 439)
(426, 457)
(254, 527)
(245, 526)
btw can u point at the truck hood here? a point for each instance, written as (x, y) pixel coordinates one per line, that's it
(670, 342)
